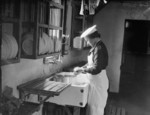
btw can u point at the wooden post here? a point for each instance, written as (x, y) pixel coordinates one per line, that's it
(0, 49)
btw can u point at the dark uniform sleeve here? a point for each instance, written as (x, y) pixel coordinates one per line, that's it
(100, 59)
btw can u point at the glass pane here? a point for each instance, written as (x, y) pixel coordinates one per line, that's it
(55, 20)
(55, 17)
(56, 39)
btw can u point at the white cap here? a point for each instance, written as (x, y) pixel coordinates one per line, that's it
(88, 31)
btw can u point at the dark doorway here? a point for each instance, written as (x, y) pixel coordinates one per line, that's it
(135, 65)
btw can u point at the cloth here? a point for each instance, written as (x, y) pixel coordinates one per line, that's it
(89, 5)
(93, 4)
(82, 8)
(99, 84)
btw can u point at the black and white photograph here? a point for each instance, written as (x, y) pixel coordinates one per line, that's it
(75, 57)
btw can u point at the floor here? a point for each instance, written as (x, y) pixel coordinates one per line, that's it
(134, 88)
(135, 102)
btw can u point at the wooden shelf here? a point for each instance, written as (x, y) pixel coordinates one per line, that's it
(27, 23)
(11, 16)
(40, 56)
(17, 36)
(50, 26)
(9, 20)
(44, 23)
(34, 17)
(10, 61)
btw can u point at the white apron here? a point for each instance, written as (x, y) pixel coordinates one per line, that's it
(97, 91)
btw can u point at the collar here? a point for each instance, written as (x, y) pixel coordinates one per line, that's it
(94, 46)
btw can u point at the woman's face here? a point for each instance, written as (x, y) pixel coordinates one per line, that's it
(89, 41)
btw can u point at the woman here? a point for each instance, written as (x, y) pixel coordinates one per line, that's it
(96, 73)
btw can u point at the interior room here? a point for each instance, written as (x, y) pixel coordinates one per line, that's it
(41, 45)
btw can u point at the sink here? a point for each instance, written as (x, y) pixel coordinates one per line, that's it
(76, 94)
(69, 77)
(65, 77)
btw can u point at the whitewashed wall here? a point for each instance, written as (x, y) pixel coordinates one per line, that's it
(110, 22)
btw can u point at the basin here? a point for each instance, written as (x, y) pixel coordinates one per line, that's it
(76, 94)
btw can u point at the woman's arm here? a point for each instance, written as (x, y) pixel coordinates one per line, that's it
(85, 66)
(100, 60)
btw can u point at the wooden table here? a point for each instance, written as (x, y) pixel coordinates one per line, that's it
(41, 87)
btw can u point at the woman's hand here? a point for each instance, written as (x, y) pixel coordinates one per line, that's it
(78, 70)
